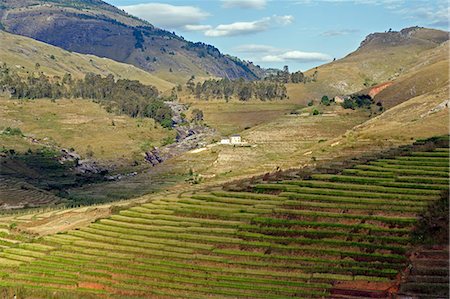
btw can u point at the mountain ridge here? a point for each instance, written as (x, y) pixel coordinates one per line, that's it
(121, 37)
(381, 57)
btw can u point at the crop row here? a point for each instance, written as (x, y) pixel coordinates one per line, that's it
(386, 182)
(354, 187)
(341, 201)
(436, 172)
(394, 167)
(346, 193)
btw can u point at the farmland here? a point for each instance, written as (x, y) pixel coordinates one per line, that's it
(330, 234)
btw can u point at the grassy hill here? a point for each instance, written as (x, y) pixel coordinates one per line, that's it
(338, 234)
(23, 53)
(293, 140)
(381, 57)
(113, 142)
(79, 124)
(121, 37)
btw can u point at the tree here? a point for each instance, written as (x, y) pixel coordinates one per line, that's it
(297, 77)
(245, 93)
(325, 101)
(348, 104)
(198, 90)
(190, 84)
(197, 115)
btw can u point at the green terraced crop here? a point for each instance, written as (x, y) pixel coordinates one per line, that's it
(381, 200)
(297, 243)
(299, 203)
(289, 222)
(364, 173)
(320, 233)
(403, 221)
(441, 182)
(436, 172)
(360, 187)
(311, 190)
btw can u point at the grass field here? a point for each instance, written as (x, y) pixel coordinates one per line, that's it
(286, 140)
(294, 238)
(79, 124)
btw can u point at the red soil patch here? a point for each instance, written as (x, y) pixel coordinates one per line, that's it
(91, 285)
(378, 88)
(370, 289)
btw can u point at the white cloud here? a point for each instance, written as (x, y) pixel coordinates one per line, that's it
(436, 15)
(390, 3)
(266, 53)
(166, 15)
(297, 56)
(252, 4)
(339, 32)
(242, 28)
(197, 27)
(256, 49)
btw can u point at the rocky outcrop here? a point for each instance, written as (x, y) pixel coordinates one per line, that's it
(154, 157)
(189, 136)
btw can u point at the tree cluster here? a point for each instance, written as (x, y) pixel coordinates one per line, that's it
(120, 96)
(358, 101)
(241, 89)
(285, 76)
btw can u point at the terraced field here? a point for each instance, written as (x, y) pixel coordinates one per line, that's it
(18, 194)
(323, 237)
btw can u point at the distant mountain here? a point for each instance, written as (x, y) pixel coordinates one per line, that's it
(381, 57)
(95, 27)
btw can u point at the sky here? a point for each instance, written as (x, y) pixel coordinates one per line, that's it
(299, 33)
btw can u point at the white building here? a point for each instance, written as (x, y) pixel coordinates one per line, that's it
(225, 141)
(235, 139)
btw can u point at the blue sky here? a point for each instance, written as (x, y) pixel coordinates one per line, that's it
(298, 33)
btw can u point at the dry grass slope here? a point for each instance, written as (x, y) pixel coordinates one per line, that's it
(381, 57)
(79, 124)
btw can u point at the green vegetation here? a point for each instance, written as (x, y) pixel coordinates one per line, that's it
(358, 101)
(12, 131)
(432, 227)
(240, 89)
(285, 76)
(325, 101)
(122, 96)
(296, 243)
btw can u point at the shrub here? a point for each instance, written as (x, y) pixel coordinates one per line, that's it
(315, 112)
(168, 140)
(12, 131)
(348, 104)
(432, 227)
(325, 101)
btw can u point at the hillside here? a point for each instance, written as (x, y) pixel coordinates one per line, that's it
(23, 54)
(339, 235)
(381, 57)
(119, 36)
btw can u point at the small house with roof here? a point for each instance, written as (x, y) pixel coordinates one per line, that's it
(232, 140)
(235, 139)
